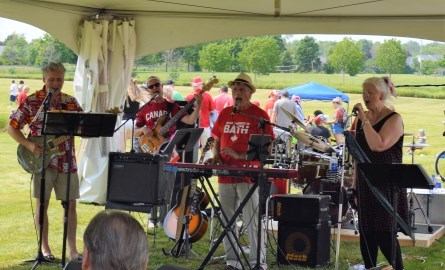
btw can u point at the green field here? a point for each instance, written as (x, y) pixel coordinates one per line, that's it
(17, 232)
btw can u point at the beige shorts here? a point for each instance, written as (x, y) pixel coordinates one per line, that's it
(57, 181)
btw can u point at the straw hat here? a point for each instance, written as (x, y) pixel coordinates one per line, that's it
(245, 79)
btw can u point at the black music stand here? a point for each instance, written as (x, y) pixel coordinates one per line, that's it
(76, 124)
(183, 141)
(396, 176)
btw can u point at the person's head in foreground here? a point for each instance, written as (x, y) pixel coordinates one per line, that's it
(114, 240)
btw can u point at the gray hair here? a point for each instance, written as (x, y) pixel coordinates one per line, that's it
(53, 66)
(383, 85)
(116, 240)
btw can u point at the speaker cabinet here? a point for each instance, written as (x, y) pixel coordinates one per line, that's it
(306, 245)
(136, 178)
(301, 209)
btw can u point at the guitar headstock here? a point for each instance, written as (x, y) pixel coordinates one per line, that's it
(209, 144)
(115, 110)
(208, 85)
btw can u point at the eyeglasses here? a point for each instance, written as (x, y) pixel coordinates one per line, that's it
(154, 85)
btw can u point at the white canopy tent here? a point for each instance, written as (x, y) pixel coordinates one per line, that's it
(108, 34)
(163, 25)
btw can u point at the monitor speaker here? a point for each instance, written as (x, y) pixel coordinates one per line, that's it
(306, 245)
(136, 178)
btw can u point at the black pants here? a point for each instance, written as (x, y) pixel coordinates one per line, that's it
(371, 241)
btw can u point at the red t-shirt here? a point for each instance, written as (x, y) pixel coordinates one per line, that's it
(21, 97)
(207, 106)
(150, 114)
(234, 132)
(269, 105)
(222, 101)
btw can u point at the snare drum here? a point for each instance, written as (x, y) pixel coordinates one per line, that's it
(312, 165)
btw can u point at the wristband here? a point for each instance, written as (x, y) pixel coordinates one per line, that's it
(366, 122)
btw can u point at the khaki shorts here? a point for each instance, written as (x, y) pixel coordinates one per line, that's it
(57, 181)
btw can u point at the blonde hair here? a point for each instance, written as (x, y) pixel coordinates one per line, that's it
(337, 100)
(385, 86)
(53, 66)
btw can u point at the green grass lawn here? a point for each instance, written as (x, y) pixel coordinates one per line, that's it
(18, 237)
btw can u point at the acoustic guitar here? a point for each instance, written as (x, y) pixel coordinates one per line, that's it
(191, 199)
(153, 144)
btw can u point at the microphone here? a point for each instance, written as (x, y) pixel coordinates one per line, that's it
(236, 106)
(354, 111)
(48, 97)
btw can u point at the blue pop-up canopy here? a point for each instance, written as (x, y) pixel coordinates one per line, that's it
(315, 91)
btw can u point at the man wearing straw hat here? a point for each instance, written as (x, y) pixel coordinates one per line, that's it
(232, 132)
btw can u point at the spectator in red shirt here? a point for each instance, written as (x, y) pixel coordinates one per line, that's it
(22, 95)
(223, 99)
(207, 110)
(273, 96)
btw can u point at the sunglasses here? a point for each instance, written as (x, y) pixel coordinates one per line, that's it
(154, 85)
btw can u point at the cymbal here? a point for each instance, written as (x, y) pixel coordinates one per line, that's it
(312, 141)
(408, 134)
(415, 145)
(294, 119)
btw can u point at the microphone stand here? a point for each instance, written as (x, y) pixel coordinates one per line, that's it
(40, 257)
(261, 181)
(340, 197)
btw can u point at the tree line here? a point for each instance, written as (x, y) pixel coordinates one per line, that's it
(258, 55)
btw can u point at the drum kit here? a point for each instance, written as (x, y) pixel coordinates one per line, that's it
(312, 157)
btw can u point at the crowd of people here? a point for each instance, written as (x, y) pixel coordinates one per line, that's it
(230, 119)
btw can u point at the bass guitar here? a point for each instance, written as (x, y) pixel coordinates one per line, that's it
(152, 144)
(33, 163)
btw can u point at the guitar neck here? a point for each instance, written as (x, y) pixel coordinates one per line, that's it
(55, 142)
(176, 118)
(181, 113)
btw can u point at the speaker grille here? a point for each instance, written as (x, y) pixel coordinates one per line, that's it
(306, 245)
(136, 178)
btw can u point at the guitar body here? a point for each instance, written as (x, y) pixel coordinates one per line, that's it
(32, 163)
(198, 219)
(153, 144)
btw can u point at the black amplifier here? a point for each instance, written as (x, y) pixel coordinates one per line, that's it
(301, 209)
(136, 178)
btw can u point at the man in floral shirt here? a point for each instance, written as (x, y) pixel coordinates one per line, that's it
(56, 173)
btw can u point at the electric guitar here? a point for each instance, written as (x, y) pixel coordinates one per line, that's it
(152, 144)
(33, 163)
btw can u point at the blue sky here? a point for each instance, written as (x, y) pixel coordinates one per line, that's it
(8, 27)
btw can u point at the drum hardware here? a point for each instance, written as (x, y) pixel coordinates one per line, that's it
(411, 195)
(313, 142)
(295, 119)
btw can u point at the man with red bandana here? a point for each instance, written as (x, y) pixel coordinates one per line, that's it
(149, 115)
(56, 173)
(232, 133)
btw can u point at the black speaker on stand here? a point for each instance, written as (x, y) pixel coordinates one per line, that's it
(304, 229)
